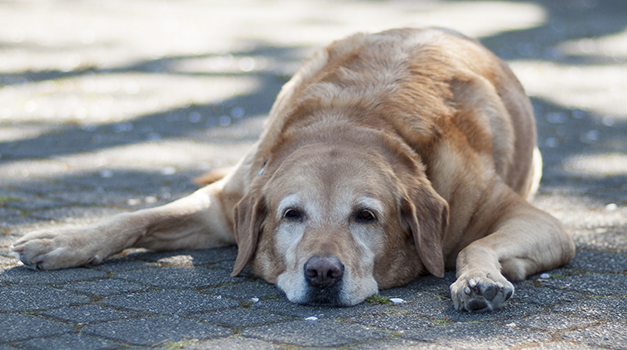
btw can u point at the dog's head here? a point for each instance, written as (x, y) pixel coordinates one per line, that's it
(331, 224)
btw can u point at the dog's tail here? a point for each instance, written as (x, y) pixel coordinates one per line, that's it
(212, 176)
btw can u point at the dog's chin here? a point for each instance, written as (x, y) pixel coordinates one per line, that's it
(324, 296)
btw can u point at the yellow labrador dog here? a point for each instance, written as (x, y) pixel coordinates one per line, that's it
(385, 157)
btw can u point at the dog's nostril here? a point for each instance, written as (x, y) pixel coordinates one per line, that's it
(323, 271)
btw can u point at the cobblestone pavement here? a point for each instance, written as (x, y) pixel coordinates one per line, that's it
(110, 106)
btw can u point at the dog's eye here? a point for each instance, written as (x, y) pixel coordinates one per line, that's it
(366, 216)
(293, 214)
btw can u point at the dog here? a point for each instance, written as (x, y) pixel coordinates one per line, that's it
(387, 156)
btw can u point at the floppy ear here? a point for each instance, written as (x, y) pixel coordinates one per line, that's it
(426, 214)
(249, 214)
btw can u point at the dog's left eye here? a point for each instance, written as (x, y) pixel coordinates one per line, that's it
(293, 214)
(366, 216)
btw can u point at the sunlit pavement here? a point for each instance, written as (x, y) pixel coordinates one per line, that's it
(111, 106)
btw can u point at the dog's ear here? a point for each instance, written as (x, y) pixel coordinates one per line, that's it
(249, 215)
(426, 214)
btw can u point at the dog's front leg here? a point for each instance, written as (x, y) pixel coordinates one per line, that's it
(196, 221)
(524, 241)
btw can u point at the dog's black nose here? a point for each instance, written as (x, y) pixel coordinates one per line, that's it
(323, 272)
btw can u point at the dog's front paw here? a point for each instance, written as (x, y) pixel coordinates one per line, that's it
(481, 292)
(54, 249)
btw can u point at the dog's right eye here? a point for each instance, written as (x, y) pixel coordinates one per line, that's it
(293, 214)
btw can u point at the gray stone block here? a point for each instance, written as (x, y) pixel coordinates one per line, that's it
(394, 321)
(179, 277)
(284, 307)
(592, 283)
(29, 298)
(106, 287)
(68, 341)
(154, 330)
(527, 292)
(551, 322)
(477, 336)
(17, 327)
(241, 318)
(24, 276)
(189, 257)
(558, 345)
(609, 335)
(231, 343)
(97, 196)
(321, 333)
(604, 308)
(87, 314)
(434, 285)
(399, 344)
(170, 302)
(445, 311)
(117, 264)
(76, 215)
(247, 290)
(35, 203)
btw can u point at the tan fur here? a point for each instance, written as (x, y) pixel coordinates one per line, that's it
(424, 133)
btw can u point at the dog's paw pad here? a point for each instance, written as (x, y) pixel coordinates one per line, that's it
(481, 294)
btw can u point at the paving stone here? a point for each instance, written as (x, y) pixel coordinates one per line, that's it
(283, 307)
(122, 179)
(189, 257)
(321, 333)
(170, 302)
(247, 290)
(96, 196)
(87, 314)
(612, 335)
(21, 225)
(43, 187)
(527, 292)
(24, 276)
(103, 288)
(68, 341)
(233, 342)
(9, 212)
(563, 346)
(411, 296)
(154, 330)
(551, 322)
(179, 277)
(393, 321)
(592, 283)
(76, 215)
(28, 298)
(35, 203)
(17, 327)
(227, 266)
(603, 308)
(117, 264)
(599, 261)
(445, 311)
(476, 336)
(435, 285)
(398, 344)
(241, 318)
(5, 260)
